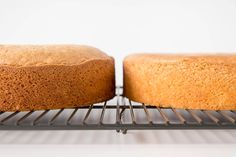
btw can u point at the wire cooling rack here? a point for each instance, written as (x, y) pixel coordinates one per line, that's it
(118, 114)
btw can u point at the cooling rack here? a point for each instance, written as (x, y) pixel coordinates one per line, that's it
(118, 114)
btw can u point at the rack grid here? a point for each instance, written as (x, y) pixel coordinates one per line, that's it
(120, 114)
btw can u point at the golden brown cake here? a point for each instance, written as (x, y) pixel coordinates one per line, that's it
(181, 81)
(36, 77)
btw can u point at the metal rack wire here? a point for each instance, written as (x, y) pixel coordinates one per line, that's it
(118, 114)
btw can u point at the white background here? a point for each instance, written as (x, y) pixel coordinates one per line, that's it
(121, 27)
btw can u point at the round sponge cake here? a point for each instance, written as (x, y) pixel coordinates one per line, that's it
(36, 77)
(181, 81)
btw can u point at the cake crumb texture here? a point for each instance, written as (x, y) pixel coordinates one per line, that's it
(54, 77)
(181, 81)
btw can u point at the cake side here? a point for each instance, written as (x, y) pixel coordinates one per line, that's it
(56, 86)
(189, 82)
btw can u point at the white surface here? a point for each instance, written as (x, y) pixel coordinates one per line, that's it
(224, 137)
(109, 143)
(120, 150)
(119, 28)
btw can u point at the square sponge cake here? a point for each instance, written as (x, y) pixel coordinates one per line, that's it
(40, 77)
(181, 81)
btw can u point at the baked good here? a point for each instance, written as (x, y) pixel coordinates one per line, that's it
(181, 81)
(39, 77)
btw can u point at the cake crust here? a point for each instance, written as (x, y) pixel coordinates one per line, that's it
(181, 81)
(53, 85)
(38, 55)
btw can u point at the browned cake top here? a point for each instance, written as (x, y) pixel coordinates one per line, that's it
(37, 55)
(173, 58)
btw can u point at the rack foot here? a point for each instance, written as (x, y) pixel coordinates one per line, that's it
(124, 131)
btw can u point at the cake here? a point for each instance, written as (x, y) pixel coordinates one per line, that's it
(41, 77)
(206, 82)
